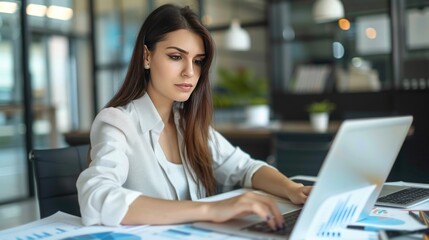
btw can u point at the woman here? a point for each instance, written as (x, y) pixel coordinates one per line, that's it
(152, 147)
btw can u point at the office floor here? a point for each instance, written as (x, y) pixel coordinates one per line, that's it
(18, 213)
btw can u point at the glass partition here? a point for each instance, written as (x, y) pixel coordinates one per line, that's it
(352, 54)
(57, 30)
(13, 162)
(416, 62)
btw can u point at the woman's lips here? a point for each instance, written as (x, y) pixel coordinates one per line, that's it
(184, 86)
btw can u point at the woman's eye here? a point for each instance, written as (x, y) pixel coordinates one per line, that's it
(174, 57)
(199, 61)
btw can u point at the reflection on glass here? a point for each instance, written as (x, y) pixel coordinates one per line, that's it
(222, 12)
(344, 24)
(108, 83)
(13, 163)
(338, 50)
(417, 30)
(373, 34)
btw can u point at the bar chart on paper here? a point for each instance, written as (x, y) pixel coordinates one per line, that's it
(182, 232)
(42, 232)
(105, 236)
(342, 214)
(336, 212)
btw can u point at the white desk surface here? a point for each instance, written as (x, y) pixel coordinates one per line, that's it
(61, 225)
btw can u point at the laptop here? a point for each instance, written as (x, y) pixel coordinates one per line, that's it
(391, 195)
(361, 155)
(402, 196)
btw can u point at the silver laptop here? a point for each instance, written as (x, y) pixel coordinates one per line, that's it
(391, 195)
(362, 154)
(402, 196)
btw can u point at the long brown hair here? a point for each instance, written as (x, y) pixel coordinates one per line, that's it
(197, 111)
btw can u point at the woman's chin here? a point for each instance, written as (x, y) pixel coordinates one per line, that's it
(182, 98)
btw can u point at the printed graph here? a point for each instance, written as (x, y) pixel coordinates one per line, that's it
(336, 212)
(342, 214)
(45, 231)
(105, 236)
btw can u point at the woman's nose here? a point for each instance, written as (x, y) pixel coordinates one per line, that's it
(188, 70)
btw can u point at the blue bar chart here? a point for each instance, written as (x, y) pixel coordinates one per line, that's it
(336, 212)
(46, 231)
(342, 214)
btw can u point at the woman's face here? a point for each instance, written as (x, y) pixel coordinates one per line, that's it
(175, 66)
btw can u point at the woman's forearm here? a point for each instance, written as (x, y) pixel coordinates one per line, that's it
(148, 210)
(272, 181)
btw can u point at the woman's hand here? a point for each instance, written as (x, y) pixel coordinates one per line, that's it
(298, 193)
(246, 204)
(274, 182)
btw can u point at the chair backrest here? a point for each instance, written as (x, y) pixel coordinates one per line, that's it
(301, 153)
(56, 172)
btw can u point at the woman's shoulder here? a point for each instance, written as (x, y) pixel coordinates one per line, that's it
(112, 114)
(115, 116)
(115, 119)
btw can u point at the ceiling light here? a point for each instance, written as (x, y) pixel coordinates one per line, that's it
(327, 10)
(344, 24)
(60, 13)
(8, 7)
(36, 10)
(236, 37)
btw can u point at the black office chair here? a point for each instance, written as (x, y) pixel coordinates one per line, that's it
(56, 172)
(300, 153)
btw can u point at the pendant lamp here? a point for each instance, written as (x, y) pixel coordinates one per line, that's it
(327, 10)
(236, 38)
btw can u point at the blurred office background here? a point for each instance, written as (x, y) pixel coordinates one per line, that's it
(62, 60)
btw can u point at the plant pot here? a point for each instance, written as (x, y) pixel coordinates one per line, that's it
(258, 115)
(319, 121)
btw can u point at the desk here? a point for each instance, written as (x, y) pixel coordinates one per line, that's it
(61, 225)
(229, 130)
(233, 129)
(257, 141)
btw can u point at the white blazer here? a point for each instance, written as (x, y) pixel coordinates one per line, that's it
(128, 161)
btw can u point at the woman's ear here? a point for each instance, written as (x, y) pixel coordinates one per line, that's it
(146, 55)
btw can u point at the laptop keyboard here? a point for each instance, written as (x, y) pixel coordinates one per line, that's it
(290, 219)
(406, 196)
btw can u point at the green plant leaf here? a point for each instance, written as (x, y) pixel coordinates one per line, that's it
(319, 107)
(240, 87)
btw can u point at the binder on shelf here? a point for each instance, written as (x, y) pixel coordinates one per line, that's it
(314, 78)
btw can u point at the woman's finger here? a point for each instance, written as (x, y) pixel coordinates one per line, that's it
(306, 190)
(268, 210)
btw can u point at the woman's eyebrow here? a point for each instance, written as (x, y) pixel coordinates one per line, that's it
(185, 52)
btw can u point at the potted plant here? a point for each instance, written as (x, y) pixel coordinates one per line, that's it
(240, 88)
(319, 114)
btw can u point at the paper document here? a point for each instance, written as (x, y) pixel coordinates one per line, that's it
(68, 227)
(182, 232)
(336, 212)
(59, 226)
(391, 219)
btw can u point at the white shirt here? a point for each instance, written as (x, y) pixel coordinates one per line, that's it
(180, 183)
(128, 161)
